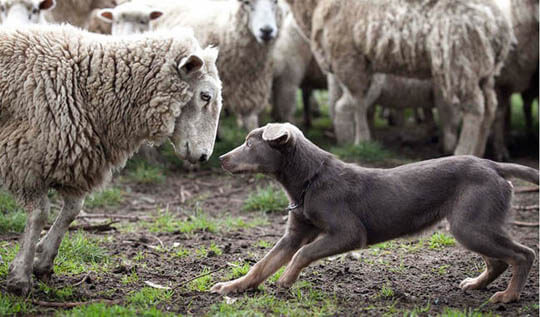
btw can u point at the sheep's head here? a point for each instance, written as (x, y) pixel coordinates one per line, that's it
(264, 18)
(20, 12)
(129, 18)
(196, 127)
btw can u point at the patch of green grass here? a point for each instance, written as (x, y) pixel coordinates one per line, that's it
(440, 240)
(144, 173)
(467, 312)
(386, 292)
(8, 253)
(264, 244)
(237, 270)
(305, 300)
(60, 294)
(369, 151)
(266, 200)
(11, 305)
(107, 197)
(203, 252)
(274, 278)
(441, 270)
(148, 297)
(79, 253)
(166, 222)
(203, 283)
(182, 252)
(12, 217)
(103, 310)
(199, 221)
(379, 247)
(130, 279)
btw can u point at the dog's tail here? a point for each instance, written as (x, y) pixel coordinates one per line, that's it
(515, 170)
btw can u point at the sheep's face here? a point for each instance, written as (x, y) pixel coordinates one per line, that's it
(21, 12)
(264, 19)
(129, 18)
(196, 127)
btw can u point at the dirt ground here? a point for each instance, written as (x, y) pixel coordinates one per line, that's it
(422, 280)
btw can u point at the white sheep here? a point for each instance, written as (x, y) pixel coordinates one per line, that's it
(461, 45)
(245, 32)
(20, 12)
(129, 18)
(76, 105)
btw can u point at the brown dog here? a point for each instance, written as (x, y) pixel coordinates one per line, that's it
(337, 207)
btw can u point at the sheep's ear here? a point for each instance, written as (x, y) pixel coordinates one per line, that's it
(191, 64)
(106, 15)
(277, 134)
(47, 4)
(155, 14)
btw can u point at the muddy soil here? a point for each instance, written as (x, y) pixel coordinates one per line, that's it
(416, 278)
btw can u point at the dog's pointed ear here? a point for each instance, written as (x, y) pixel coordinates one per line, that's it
(277, 134)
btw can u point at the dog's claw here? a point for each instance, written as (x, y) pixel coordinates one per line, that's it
(227, 287)
(504, 297)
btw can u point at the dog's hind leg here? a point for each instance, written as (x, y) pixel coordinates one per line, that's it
(494, 268)
(499, 248)
(298, 233)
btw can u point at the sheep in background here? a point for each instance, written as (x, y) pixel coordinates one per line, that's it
(461, 45)
(294, 68)
(245, 32)
(21, 12)
(76, 105)
(129, 18)
(81, 13)
(519, 73)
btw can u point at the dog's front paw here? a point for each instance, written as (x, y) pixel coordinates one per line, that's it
(231, 287)
(471, 283)
(504, 297)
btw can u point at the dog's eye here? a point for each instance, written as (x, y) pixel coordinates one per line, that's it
(35, 11)
(248, 143)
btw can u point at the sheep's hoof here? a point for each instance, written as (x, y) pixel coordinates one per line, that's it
(19, 286)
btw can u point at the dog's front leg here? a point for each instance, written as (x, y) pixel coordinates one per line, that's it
(327, 244)
(297, 234)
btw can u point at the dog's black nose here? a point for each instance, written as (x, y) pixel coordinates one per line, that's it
(266, 33)
(203, 158)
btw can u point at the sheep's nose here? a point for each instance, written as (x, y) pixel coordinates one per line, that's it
(266, 33)
(203, 158)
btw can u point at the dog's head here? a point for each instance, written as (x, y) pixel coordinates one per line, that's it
(263, 150)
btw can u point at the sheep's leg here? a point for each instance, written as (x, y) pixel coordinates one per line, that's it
(250, 121)
(47, 248)
(473, 116)
(284, 100)
(306, 94)
(334, 94)
(344, 118)
(362, 132)
(20, 270)
(490, 102)
(499, 126)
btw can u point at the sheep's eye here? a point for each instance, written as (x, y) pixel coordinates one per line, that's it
(142, 22)
(206, 96)
(35, 11)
